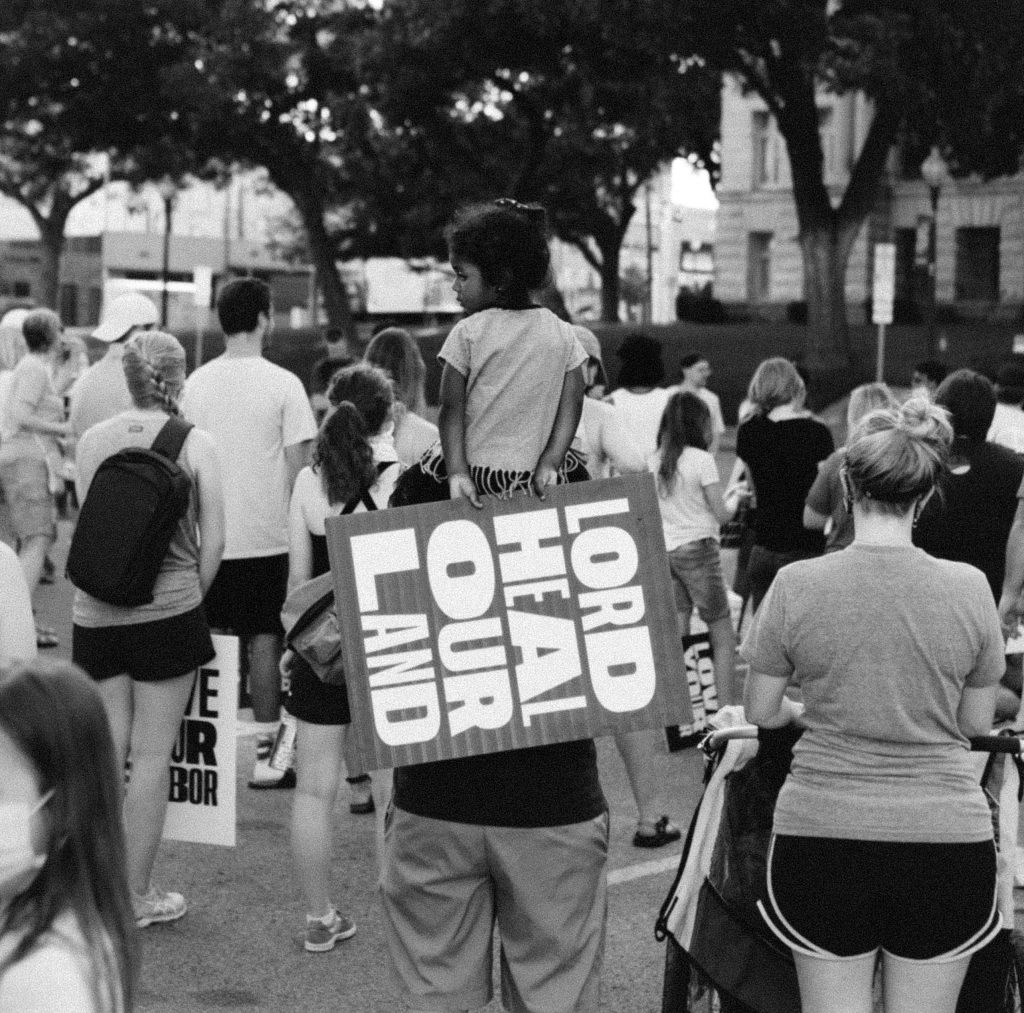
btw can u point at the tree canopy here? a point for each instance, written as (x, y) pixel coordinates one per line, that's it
(935, 73)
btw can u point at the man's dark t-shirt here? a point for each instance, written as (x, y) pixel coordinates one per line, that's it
(969, 517)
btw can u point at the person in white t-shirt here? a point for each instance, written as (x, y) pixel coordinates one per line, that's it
(695, 371)
(101, 392)
(692, 508)
(601, 435)
(1007, 426)
(260, 419)
(639, 400)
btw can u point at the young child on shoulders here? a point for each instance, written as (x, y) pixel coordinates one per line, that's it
(692, 508)
(512, 385)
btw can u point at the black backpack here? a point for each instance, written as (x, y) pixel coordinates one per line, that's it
(125, 526)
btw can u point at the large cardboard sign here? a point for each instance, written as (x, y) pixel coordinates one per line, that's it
(202, 795)
(525, 623)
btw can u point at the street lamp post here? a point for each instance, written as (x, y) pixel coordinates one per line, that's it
(168, 190)
(934, 172)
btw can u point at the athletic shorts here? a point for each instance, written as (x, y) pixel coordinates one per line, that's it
(697, 579)
(247, 595)
(444, 885)
(835, 898)
(313, 701)
(147, 652)
(30, 503)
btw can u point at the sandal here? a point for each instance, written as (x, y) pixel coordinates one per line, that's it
(665, 832)
(45, 637)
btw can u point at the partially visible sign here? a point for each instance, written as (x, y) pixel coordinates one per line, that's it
(201, 805)
(703, 690)
(202, 278)
(883, 288)
(525, 623)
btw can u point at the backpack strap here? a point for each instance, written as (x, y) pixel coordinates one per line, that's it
(171, 437)
(366, 499)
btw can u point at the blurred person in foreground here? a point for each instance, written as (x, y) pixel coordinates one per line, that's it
(67, 935)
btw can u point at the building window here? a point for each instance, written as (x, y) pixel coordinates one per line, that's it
(977, 265)
(759, 262)
(764, 148)
(95, 301)
(906, 243)
(69, 305)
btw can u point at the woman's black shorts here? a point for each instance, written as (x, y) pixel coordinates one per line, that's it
(247, 595)
(313, 701)
(833, 897)
(148, 652)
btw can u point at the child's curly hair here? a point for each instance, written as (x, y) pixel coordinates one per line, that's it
(362, 397)
(507, 241)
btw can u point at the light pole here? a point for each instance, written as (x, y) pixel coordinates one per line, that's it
(168, 191)
(934, 172)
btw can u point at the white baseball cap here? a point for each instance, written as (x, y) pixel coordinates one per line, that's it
(125, 312)
(14, 318)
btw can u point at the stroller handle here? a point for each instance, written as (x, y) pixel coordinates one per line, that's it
(1012, 743)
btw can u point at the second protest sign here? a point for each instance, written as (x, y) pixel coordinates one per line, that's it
(471, 631)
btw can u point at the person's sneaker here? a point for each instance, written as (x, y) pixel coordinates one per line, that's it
(264, 776)
(322, 935)
(158, 906)
(664, 832)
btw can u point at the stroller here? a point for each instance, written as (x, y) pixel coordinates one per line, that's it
(720, 954)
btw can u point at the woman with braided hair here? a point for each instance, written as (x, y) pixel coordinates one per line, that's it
(143, 658)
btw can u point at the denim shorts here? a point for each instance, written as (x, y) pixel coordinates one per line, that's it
(29, 501)
(696, 569)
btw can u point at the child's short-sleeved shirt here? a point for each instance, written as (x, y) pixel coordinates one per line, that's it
(685, 514)
(514, 362)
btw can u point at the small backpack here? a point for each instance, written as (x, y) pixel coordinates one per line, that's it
(310, 618)
(125, 526)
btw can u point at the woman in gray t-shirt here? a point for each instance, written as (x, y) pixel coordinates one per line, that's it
(881, 839)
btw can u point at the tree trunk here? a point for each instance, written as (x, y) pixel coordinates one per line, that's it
(49, 276)
(825, 256)
(323, 253)
(610, 284)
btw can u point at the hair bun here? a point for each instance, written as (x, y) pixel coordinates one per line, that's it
(922, 419)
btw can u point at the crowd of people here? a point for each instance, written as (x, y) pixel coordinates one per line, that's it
(873, 572)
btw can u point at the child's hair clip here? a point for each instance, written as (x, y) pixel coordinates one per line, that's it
(534, 212)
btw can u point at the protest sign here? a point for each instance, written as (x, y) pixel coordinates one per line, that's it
(703, 691)
(525, 623)
(202, 794)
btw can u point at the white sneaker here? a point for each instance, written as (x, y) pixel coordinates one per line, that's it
(264, 776)
(158, 906)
